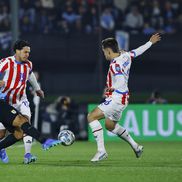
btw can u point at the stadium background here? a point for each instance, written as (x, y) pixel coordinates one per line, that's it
(65, 36)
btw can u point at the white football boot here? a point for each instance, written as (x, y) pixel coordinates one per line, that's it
(99, 156)
(138, 151)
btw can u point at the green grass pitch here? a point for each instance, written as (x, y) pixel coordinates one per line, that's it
(161, 161)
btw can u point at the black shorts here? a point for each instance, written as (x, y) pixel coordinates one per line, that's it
(7, 115)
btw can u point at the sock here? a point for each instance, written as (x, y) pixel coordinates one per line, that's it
(27, 143)
(8, 141)
(1, 139)
(123, 133)
(30, 130)
(98, 134)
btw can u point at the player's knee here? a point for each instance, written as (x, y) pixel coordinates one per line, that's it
(18, 134)
(27, 117)
(23, 119)
(2, 133)
(109, 126)
(19, 120)
(90, 117)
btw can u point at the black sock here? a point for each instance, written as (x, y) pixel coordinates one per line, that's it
(33, 132)
(8, 141)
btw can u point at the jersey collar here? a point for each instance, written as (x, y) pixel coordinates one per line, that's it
(18, 62)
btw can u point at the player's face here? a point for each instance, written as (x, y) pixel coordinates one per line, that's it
(107, 54)
(24, 53)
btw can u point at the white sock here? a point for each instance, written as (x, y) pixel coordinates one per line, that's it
(98, 134)
(123, 133)
(27, 143)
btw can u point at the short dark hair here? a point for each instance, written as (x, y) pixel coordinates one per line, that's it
(111, 43)
(19, 44)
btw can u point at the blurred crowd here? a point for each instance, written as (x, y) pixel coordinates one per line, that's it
(156, 98)
(62, 114)
(90, 16)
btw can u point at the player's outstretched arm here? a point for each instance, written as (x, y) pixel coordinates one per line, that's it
(33, 81)
(140, 50)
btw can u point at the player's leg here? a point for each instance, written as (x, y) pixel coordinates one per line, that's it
(97, 130)
(7, 116)
(3, 154)
(12, 119)
(16, 121)
(24, 109)
(16, 135)
(10, 139)
(121, 132)
(28, 157)
(2, 131)
(22, 122)
(115, 128)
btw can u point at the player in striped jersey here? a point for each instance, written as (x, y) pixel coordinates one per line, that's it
(17, 70)
(117, 95)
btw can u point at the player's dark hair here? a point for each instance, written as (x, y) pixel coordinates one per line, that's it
(19, 44)
(111, 43)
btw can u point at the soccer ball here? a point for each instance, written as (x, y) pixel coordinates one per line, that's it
(66, 137)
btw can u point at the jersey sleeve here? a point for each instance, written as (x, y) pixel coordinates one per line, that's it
(33, 81)
(3, 65)
(132, 54)
(140, 50)
(30, 66)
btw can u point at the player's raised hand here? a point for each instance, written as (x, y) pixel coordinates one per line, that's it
(40, 93)
(155, 38)
(2, 83)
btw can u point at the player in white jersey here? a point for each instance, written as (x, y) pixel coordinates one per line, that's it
(17, 70)
(117, 95)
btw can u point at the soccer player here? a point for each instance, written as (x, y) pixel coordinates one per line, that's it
(117, 95)
(17, 125)
(17, 70)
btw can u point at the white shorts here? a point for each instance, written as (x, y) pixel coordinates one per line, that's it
(23, 108)
(112, 109)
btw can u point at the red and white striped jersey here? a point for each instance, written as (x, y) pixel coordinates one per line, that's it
(118, 74)
(15, 75)
(119, 70)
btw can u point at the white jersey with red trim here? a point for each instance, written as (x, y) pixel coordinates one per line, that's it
(118, 74)
(119, 70)
(15, 75)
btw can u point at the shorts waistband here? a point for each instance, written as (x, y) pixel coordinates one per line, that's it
(117, 91)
